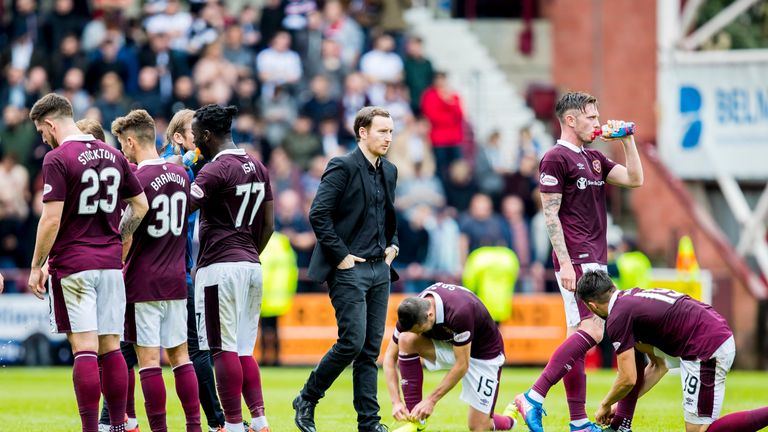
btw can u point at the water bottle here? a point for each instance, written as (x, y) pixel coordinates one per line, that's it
(616, 129)
(191, 157)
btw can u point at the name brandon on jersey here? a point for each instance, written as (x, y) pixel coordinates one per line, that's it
(166, 178)
(99, 153)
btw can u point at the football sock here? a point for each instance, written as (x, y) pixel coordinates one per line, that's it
(502, 423)
(258, 423)
(575, 383)
(229, 382)
(252, 394)
(579, 422)
(85, 376)
(567, 363)
(742, 421)
(130, 402)
(187, 390)
(153, 387)
(625, 409)
(411, 378)
(233, 427)
(535, 396)
(114, 385)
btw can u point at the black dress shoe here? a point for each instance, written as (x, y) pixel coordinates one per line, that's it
(377, 428)
(305, 414)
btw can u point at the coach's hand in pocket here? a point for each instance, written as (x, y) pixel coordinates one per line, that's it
(349, 261)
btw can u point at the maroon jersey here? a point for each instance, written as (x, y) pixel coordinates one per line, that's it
(579, 174)
(156, 265)
(673, 322)
(231, 191)
(91, 178)
(461, 318)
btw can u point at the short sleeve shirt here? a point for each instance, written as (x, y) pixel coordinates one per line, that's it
(461, 318)
(579, 174)
(230, 191)
(91, 178)
(673, 322)
(155, 268)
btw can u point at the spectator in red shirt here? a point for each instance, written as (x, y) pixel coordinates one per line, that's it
(441, 105)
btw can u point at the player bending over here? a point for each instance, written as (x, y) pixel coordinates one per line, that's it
(666, 324)
(447, 327)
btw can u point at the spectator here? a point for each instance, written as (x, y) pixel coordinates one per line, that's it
(332, 67)
(13, 92)
(68, 56)
(442, 106)
(279, 112)
(353, 99)
(381, 65)
(278, 65)
(271, 21)
(421, 188)
(342, 29)
(292, 221)
(489, 168)
(36, 85)
(204, 29)
(183, 95)
(235, 52)
(418, 71)
(414, 247)
(172, 21)
(170, 63)
(283, 173)
(295, 15)
(247, 19)
(411, 146)
(329, 137)
(105, 62)
(443, 261)
(393, 21)
(513, 212)
(481, 226)
(310, 180)
(320, 106)
(523, 182)
(460, 186)
(398, 107)
(246, 95)
(149, 97)
(112, 102)
(17, 136)
(212, 66)
(61, 22)
(73, 90)
(309, 45)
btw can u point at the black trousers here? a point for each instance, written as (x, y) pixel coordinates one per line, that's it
(359, 296)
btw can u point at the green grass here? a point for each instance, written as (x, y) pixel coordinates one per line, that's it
(43, 399)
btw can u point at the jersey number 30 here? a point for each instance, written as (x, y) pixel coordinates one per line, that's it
(246, 190)
(169, 213)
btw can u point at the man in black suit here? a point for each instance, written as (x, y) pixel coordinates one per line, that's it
(353, 216)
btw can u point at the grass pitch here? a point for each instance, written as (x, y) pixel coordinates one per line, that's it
(43, 399)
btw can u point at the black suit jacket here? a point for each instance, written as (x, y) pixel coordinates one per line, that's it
(338, 210)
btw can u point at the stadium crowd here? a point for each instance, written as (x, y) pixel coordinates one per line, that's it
(298, 70)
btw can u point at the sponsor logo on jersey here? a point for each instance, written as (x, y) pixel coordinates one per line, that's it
(597, 166)
(462, 337)
(547, 180)
(582, 183)
(196, 191)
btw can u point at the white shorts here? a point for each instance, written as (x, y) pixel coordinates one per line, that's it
(227, 306)
(91, 300)
(156, 323)
(704, 384)
(575, 310)
(480, 386)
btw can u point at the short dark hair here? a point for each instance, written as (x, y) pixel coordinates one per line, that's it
(573, 100)
(51, 105)
(595, 286)
(93, 127)
(411, 312)
(138, 122)
(364, 118)
(216, 118)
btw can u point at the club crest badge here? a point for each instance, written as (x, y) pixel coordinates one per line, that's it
(597, 166)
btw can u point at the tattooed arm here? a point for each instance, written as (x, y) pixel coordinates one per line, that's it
(134, 213)
(551, 206)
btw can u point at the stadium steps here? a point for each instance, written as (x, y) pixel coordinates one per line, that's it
(491, 101)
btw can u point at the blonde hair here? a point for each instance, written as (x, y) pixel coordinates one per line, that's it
(178, 123)
(93, 127)
(138, 122)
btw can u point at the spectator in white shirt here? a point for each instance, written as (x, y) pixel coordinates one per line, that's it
(381, 65)
(278, 65)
